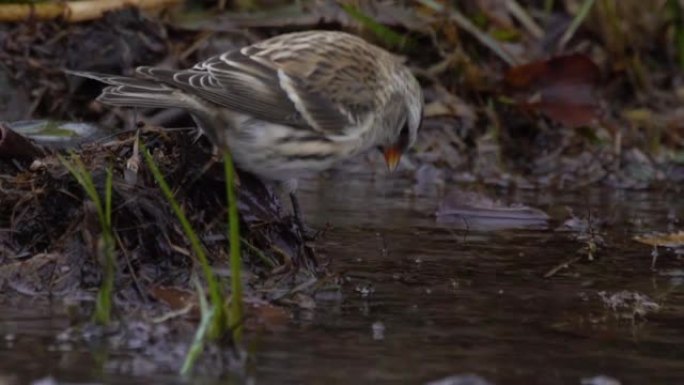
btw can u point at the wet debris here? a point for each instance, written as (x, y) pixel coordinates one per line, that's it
(55, 134)
(672, 241)
(365, 289)
(461, 379)
(146, 348)
(378, 329)
(476, 211)
(600, 380)
(48, 243)
(629, 304)
(585, 231)
(44, 381)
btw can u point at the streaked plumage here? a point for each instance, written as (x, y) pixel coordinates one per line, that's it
(290, 104)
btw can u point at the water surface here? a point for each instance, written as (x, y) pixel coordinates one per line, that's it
(422, 300)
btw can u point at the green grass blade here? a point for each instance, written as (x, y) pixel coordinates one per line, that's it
(464, 23)
(108, 197)
(220, 326)
(103, 306)
(260, 254)
(83, 177)
(677, 14)
(388, 36)
(576, 22)
(235, 312)
(197, 346)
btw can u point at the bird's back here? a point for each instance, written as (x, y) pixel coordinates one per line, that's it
(338, 66)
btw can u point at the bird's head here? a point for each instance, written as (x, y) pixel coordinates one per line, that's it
(402, 120)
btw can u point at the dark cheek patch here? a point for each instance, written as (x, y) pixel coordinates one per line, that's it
(420, 122)
(405, 135)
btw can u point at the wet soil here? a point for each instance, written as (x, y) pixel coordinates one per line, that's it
(422, 300)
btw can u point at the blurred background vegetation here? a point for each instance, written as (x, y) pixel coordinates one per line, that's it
(534, 93)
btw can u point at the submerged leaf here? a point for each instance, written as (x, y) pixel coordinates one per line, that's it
(674, 240)
(477, 211)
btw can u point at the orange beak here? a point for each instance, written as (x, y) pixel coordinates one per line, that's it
(392, 156)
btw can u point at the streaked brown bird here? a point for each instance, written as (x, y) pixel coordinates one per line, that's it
(288, 105)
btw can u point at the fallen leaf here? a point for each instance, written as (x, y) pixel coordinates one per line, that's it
(564, 88)
(176, 298)
(674, 240)
(266, 315)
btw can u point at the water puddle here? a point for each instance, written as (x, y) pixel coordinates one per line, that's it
(423, 299)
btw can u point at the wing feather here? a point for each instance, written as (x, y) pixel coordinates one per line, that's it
(299, 80)
(286, 81)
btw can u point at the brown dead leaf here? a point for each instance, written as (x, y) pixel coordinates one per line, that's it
(564, 88)
(175, 297)
(263, 315)
(259, 314)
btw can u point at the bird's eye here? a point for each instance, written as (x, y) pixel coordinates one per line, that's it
(404, 137)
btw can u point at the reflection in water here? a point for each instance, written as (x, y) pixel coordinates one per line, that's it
(424, 300)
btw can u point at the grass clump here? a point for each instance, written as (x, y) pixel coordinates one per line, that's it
(217, 320)
(103, 304)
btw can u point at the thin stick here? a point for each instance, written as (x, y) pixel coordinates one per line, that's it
(469, 27)
(74, 11)
(576, 22)
(525, 19)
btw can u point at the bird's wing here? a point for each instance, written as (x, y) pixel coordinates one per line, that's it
(285, 81)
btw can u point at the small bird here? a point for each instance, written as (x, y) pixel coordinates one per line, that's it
(288, 105)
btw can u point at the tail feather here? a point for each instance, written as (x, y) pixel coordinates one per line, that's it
(135, 92)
